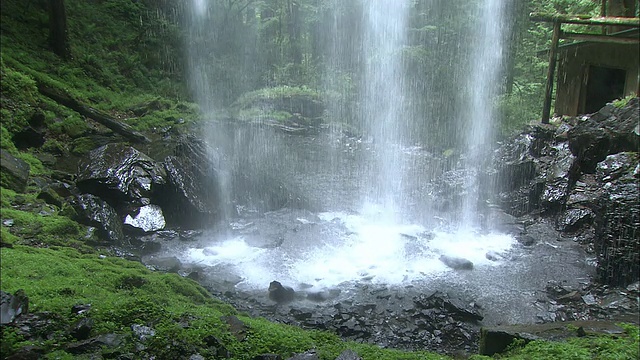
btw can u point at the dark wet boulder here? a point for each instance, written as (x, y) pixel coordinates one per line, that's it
(120, 174)
(279, 293)
(15, 172)
(456, 263)
(440, 302)
(93, 211)
(12, 306)
(572, 220)
(192, 196)
(81, 329)
(609, 131)
(104, 342)
(617, 166)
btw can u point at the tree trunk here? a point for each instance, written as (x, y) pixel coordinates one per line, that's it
(58, 37)
(62, 98)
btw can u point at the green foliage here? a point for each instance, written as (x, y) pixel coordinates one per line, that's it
(18, 98)
(620, 103)
(82, 145)
(625, 347)
(36, 167)
(73, 126)
(279, 92)
(37, 222)
(5, 139)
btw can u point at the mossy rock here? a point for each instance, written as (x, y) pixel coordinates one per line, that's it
(15, 172)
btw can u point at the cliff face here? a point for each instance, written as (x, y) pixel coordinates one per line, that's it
(584, 175)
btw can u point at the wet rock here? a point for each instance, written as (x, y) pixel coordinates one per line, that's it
(15, 172)
(525, 240)
(148, 218)
(616, 241)
(28, 138)
(279, 293)
(555, 193)
(142, 333)
(12, 306)
(457, 308)
(166, 264)
(94, 211)
(109, 341)
(50, 197)
(81, 330)
(80, 309)
(192, 196)
(216, 346)
(609, 131)
(309, 355)
(456, 263)
(237, 328)
(29, 352)
(348, 355)
(573, 219)
(120, 173)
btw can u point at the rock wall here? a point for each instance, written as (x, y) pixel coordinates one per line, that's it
(583, 172)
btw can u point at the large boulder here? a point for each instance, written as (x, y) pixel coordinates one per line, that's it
(15, 172)
(120, 174)
(94, 211)
(609, 131)
(192, 196)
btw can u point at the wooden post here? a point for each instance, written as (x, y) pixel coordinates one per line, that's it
(546, 110)
(603, 13)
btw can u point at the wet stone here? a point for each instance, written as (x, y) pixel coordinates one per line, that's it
(149, 218)
(574, 219)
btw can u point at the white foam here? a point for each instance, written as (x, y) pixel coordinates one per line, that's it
(370, 250)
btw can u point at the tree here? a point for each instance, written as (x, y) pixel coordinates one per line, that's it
(58, 35)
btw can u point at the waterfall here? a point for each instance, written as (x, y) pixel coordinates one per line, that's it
(383, 101)
(483, 83)
(381, 205)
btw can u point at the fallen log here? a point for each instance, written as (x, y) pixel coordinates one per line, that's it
(67, 100)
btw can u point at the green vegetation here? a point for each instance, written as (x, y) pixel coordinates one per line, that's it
(620, 103)
(626, 346)
(123, 293)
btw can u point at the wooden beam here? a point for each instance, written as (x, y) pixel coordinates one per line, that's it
(546, 109)
(585, 20)
(599, 38)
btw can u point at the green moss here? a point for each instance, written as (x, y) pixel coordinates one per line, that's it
(255, 114)
(36, 167)
(73, 126)
(83, 145)
(625, 347)
(5, 139)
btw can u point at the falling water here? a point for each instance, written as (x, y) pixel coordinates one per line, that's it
(383, 101)
(483, 84)
(377, 242)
